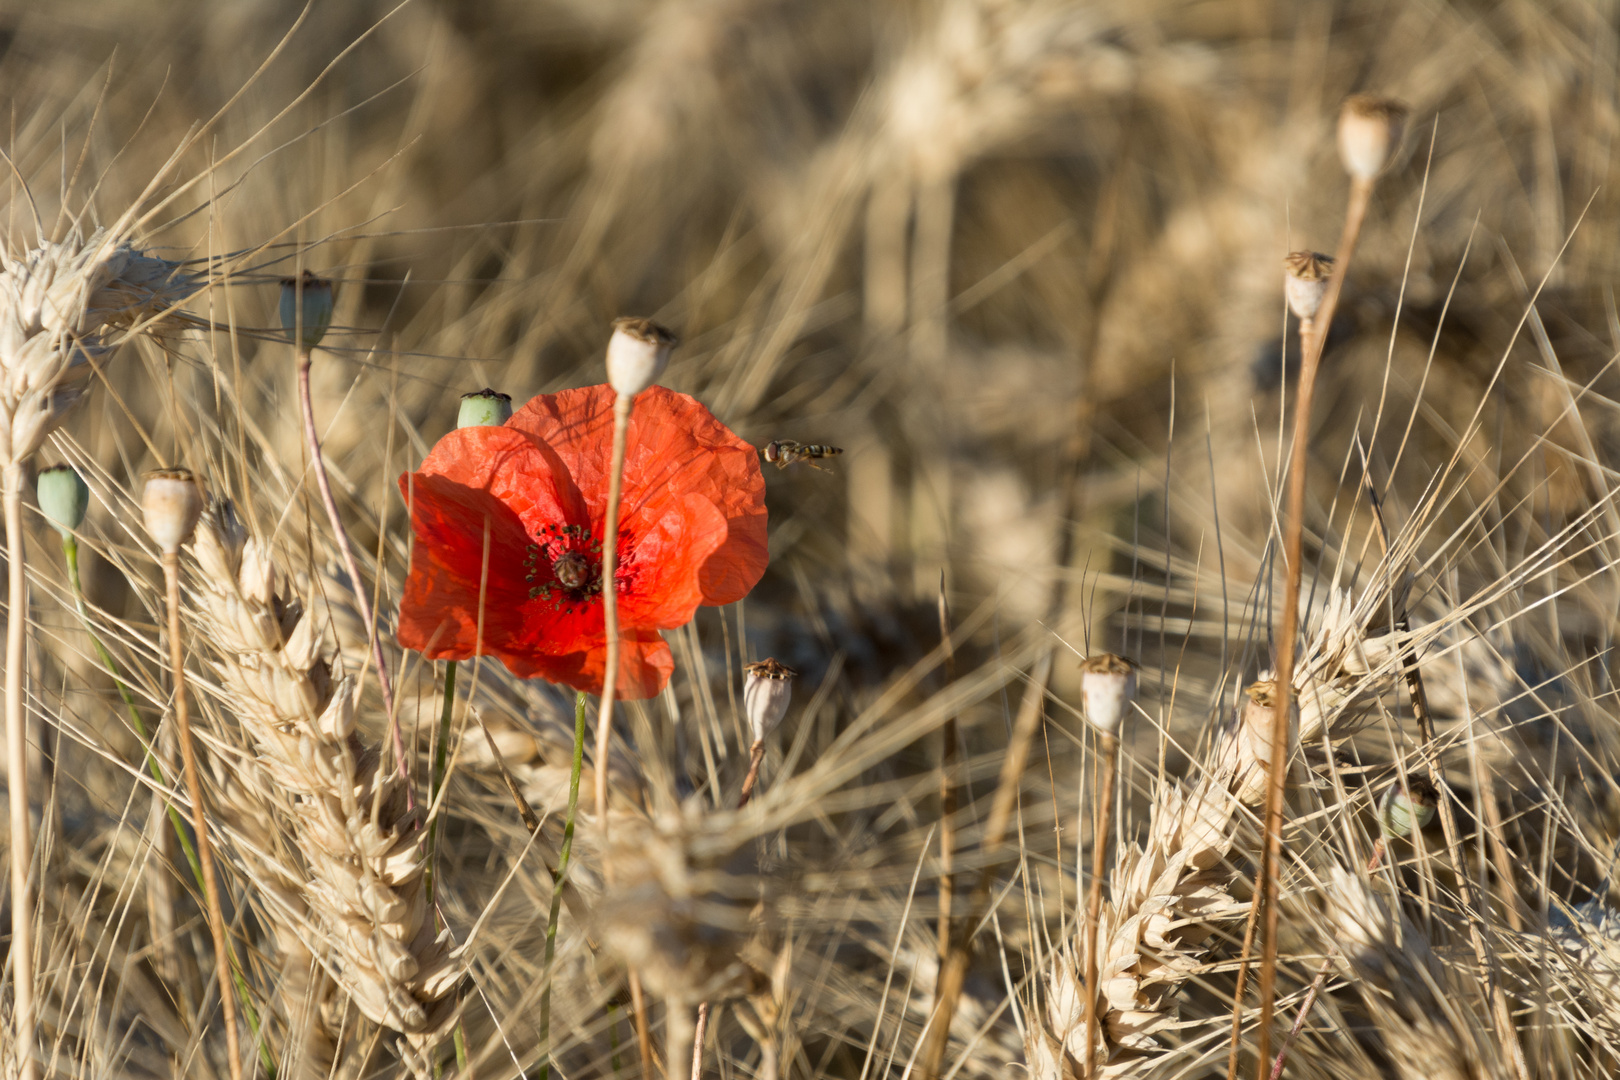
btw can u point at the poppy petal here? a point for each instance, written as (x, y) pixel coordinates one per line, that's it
(478, 475)
(663, 587)
(645, 665)
(675, 446)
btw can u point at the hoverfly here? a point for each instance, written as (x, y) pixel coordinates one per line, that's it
(785, 452)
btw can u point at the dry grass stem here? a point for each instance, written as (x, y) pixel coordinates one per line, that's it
(1293, 556)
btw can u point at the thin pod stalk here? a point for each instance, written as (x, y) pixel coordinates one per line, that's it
(306, 312)
(953, 972)
(947, 786)
(1108, 685)
(1108, 754)
(446, 710)
(559, 878)
(610, 605)
(171, 504)
(766, 693)
(1369, 132)
(637, 354)
(1403, 810)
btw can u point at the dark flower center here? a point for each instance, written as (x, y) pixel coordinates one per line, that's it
(572, 570)
(563, 565)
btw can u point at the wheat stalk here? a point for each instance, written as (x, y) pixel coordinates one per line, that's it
(363, 850)
(61, 305)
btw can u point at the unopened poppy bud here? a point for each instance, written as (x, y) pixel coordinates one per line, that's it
(1306, 281)
(1404, 808)
(766, 695)
(1108, 685)
(637, 354)
(171, 505)
(64, 498)
(1370, 130)
(484, 408)
(306, 308)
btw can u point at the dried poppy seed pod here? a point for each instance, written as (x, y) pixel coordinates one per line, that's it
(1306, 281)
(306, 308)
(1370, 129)
(1402, 810)
(64, 498)
(766, 695)
(171, 505)
(1108, 684)
(484, 408)
(637, 354)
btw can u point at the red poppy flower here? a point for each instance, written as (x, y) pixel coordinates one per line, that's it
(691, 532)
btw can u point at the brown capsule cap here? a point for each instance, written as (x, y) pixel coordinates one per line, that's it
(1263, 692)
(645, 330)
(1108, 664)
(771, 668)
(1306, 281)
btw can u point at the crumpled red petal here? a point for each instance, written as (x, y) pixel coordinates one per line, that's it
(675, 447)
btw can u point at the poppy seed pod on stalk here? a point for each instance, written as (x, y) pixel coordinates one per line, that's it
(637, 354)
(766, 694)
(1370, 129)
(171, 504)
(1409, 807)
(64, 498)
(484, 408)
(1306, 282)
(1108, 684)
(306, 308)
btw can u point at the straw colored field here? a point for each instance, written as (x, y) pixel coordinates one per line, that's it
(1023, 263)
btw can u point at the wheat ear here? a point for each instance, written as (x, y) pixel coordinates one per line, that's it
(1169, 893)
(363, 848)
(62, 305)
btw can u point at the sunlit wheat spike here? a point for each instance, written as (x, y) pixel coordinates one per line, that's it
(362, 850)
(63, 307)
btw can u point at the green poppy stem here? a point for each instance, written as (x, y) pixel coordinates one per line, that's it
(70, 553)
(557, 881)
(437, 779)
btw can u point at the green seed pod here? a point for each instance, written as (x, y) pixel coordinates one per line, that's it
(316, 296)
(1401, 806)
(484, 408)
(64, 498)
